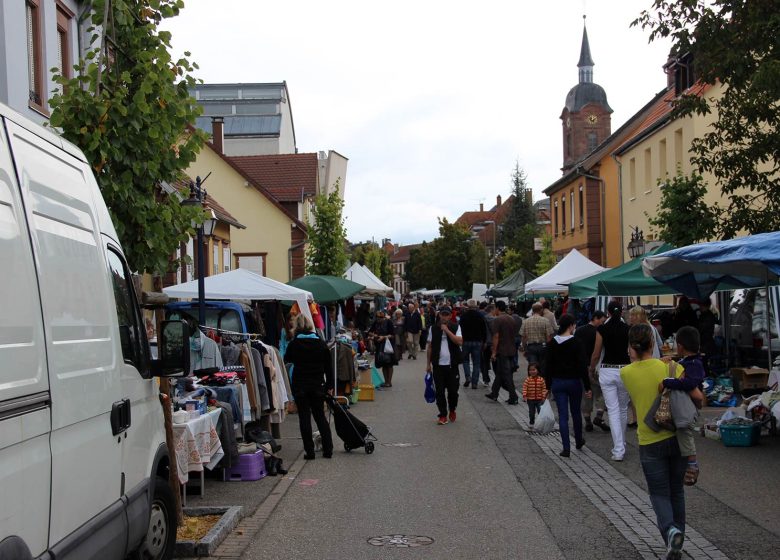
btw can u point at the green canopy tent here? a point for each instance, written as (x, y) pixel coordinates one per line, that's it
(326, 289)
(512, 285)
(624, 280)
(453, 294)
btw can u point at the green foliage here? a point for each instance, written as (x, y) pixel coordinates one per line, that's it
(547, 258)
(479, 263)
(326, 254)
(683, 218)
(520, 228)
(370, 255)
(734, 42)
(132, 115)
(511, 262)
(443, 263)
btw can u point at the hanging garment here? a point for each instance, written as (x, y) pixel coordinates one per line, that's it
(251, 384)
(265, 402)
(230, 354)
(227, 436)
(264, 372)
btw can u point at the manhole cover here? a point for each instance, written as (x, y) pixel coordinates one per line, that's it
(400, 541)
(401, 444)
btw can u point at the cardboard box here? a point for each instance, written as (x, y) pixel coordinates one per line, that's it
(364, 378)
(749, 378)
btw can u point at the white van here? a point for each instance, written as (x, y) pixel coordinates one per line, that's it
(83, 459)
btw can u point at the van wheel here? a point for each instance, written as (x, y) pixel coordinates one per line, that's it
(161, 536)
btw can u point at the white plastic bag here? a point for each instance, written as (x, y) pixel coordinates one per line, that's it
(388, 346)
(545, 420)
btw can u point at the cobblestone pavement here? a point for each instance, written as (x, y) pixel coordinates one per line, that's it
(626, 506)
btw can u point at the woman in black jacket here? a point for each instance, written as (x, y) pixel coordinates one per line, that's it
(381, 331)
(312, 377)
(566, 374)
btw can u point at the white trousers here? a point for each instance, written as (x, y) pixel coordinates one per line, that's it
(616, 400)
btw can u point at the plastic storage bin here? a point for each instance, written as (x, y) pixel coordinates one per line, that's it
(740, 436)
(251, 466)
(366, 393)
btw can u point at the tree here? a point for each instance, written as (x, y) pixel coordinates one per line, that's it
(421, 269)
(511, 262)
(547, 258)
(683, 218)
(326, 254)
(377, 261)
(520, 228)
(129, 110)
(734, 42)
(450, 255)
(479, 263)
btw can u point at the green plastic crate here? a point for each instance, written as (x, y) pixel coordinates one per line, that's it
(740, 436)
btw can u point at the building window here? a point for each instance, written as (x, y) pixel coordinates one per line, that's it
(648, 170)
(253, 262)
(663, 169)
(555, 219)
(571, 208)
(225, 258)
(582, 207)
(215, 257)
(632, 177)
(35, 55)
(678, 148)
(593, 140)
(563, 215)
(64, 57)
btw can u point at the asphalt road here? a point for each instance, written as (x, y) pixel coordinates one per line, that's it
(485, 487)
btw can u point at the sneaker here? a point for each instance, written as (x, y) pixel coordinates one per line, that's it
(442, 420)
(616, 458)
(581, 444)
(409, 357)
(466, 383)
(674, 540)
(491, 397)
(453, 415)
(510, 401)
(565, 453)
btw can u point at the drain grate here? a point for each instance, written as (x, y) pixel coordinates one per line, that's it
(401, 444)
(400, 541)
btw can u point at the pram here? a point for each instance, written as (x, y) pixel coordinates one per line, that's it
(352, 431)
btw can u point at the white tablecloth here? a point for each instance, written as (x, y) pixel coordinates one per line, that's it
(197, 444)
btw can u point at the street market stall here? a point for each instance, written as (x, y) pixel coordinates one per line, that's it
(511, 286)
(373, 285)
(572, 267)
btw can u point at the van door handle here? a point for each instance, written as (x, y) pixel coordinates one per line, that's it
(120, 416)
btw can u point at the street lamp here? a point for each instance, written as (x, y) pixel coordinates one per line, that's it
(205, 229)
(636, 247)
(488, 222)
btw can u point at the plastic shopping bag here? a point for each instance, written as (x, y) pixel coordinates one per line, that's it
(430, 392)
(545, 420)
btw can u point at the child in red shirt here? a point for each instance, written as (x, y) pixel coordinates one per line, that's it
(534, 392)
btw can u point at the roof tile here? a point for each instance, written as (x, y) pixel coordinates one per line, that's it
(287, 177)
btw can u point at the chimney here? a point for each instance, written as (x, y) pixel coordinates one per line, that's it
(481, 207)
(498, 202)
(218, 133)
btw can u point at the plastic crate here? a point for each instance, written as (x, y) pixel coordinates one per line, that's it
(355, 396)
(366, 393)
(251, 466)
(740, 436)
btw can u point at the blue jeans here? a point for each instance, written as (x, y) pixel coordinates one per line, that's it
(568, 396)
(664, 467)
(472, 349)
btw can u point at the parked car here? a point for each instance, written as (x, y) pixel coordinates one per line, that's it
(83, 458)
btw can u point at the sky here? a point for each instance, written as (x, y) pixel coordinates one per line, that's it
(432, 101)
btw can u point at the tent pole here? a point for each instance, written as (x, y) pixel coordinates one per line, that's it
(768, 329)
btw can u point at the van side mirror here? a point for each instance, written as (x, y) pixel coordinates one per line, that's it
(173, 348)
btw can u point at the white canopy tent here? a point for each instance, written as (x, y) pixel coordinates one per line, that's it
(362, 275)
(574, 266)
(242, 284)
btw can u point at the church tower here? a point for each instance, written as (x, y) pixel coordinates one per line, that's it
(586, 117)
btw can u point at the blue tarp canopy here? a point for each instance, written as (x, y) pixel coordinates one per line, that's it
(699, 270)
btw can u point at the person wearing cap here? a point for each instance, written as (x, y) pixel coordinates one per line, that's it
(475, 335)
(612, 338)
(444, 357)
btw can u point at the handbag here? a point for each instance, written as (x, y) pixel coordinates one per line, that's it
(430, 391)
(663, 415)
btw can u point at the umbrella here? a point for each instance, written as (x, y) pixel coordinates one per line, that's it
(699, 270)
(326, 289)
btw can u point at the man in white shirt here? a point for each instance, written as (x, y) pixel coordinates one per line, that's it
(444, 357)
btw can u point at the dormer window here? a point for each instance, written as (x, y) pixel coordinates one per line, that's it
(682, 69)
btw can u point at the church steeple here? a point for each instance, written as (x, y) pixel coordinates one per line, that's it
(586, 62)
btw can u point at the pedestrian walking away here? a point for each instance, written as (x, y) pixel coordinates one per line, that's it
(659, 452)
(399, 331)
(474, 329)
(503, 349)
(535, 334)
(586, 334)
(612, 339)
(444, 356)
(413, 326)
(312, 379)
(534, 392)
(566, 374)
(489, 314)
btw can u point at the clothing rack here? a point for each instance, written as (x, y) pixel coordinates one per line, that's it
(245, 336)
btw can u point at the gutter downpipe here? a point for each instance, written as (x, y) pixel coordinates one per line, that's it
(603, 213)
(620, 194)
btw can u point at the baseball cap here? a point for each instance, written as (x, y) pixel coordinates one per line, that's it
(446, 309)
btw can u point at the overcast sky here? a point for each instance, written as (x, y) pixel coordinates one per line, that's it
(432, 101)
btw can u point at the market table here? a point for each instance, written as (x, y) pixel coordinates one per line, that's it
(197, 446)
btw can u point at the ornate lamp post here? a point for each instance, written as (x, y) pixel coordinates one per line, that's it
(636, 247)
(205, 229)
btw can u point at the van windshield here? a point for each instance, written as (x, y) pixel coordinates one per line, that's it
(226, 319)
